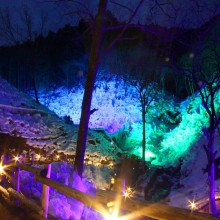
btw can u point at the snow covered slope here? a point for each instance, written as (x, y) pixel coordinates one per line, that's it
(21, 116)
(193, 183)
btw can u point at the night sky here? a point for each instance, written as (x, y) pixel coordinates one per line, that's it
(187, 13)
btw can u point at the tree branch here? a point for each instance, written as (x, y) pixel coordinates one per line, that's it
(121, 5)
(123, 30)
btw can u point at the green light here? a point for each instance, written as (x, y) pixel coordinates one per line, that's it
(175, 143)
(148, 154)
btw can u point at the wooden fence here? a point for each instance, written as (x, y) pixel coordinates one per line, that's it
(99, 203)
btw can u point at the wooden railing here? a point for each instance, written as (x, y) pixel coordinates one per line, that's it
(99, 203)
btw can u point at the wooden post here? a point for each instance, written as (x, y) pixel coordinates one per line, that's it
(123, 185)
(1, 163)
(17, 179)
(119, 189)
(32, 158)
(24, 158)
(46, 192)
(118, 186)
(17, 182)
(17, 175)
(2, 176)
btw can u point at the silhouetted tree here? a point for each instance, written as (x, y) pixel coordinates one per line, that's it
(147, 93)
(95, 58)
(26, 32)
(202, 67)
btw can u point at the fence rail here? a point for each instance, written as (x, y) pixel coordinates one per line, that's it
(99, 203)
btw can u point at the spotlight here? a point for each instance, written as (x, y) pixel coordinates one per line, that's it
(112, 216)
(128, 193)
(1, 169)
(16, 158)
(112, 180)
(192, 205)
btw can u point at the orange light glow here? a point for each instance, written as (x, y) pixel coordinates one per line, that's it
(192, 205)
(1, 169)
(16, 158)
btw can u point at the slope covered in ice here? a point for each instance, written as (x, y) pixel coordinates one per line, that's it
(21, 116)
(172, 126)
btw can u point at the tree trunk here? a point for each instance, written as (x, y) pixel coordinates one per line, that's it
(89, 86)
(144, 134)
(211, 175)
(33, 74)
(35, 87)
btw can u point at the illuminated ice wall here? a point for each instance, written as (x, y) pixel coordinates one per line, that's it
(119, 113)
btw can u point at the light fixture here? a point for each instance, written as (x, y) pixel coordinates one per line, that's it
(112, 215)
(16, 158)
(112, 180)
(128, 192)
(111, 165)
(1, 169)
(192, 205)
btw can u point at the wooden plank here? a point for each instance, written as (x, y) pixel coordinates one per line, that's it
(29, 168)
(24, 200)
(4, 192)
(88, 200)
(26, 203)
(136, 206)
(163, 211)
(17, 179)
(153, 210)
(6, 196)
(46, 192)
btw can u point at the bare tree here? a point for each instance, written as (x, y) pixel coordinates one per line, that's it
(29, 35)
(147, 93)
(98, 29)
(89, 86)
(8, 29)
(202, 67)
(95, 58)
(25, 32)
